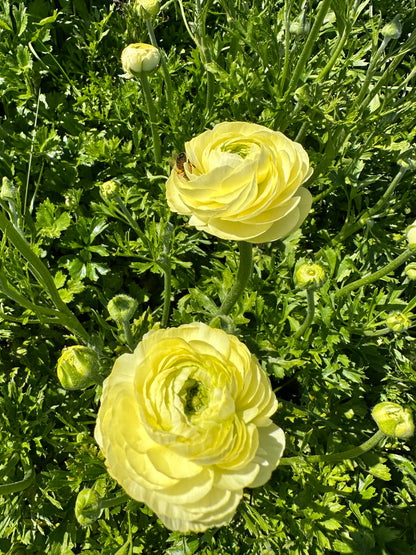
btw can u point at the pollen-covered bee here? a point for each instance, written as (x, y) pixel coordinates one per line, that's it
(179, 164)
(180, 168)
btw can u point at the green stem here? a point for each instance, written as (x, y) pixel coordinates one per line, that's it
(287, 48)
(337, 457)
(14, 487)
(164, 67)
(44, 278)
(151, 110)
(114, 501)
(200, 17)
(165, 264)
(309, 315)
(243, 275)
(336, 52)
(369, 74)
(166, 295)
(128, 335)
(133, 224)
(388, 269)
(350, 229)
(307, 49)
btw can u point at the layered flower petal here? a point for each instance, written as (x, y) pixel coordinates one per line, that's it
(184, 425)
(242, 181)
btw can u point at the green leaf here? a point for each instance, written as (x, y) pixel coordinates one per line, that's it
(49, 222)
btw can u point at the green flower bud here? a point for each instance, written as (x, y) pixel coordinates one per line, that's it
(87, 507)
(411, 235)
(122, 308)
(108, 189)
(139, 59)
(300, 26)
(77, 367)
(410, 270)
(8, 191)
(72, 198)
(310, 276)
(392, 30)
(393, 420)
(398, 321)
(149, 8)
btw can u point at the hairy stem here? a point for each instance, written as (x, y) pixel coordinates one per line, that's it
(243, 275)
(390, 267)
(337, 457)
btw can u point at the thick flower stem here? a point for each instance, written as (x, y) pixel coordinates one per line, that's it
(307, 49)
(243, 275)
(310, 314)
(390, 267)
(114, 501)
(337, 457)
(164, 67)
(128, 334)
(166, 265)
(151, 110)
(349, 229)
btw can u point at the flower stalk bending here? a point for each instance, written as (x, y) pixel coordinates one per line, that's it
(309, 315)
(337, 457)
(388, 269)
(243, 275)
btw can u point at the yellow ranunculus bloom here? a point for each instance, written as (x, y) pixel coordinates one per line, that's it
(242, 181)
(184, 425)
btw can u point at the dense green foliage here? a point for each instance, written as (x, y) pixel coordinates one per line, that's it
(329, 76)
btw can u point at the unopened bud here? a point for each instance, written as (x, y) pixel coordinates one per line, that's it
(410, 270)
(139, 59)
(310, 276)
(147, 7)
(87, 507)
(108, 189)
(411, 235)
(77, 367)
(392, 30)
(122, 308)
(300, 26)
(393, 420)
(8, 191)
(398, 321)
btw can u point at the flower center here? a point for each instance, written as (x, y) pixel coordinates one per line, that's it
(242, 149)
(193, 396)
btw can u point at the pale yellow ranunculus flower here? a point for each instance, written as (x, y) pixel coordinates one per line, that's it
(242, 181)
(139, 59)
(184, 425)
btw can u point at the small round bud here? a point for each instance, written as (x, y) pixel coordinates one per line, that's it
(139, 59)
(411, 235)
(72, 198)
(310, 276)
(108, 189)
(398, 321)
(393, 420)
(300, 26)
(392, 30)
(77, 367)
(410, 270)
(149, 8)
(87, 507)
(122, 308)
(8, 191)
